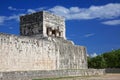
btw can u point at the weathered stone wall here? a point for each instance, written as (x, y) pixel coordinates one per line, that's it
(112, 70)
(29, 75)
(36, 25)
(54, 22)
(19, 53)
(31, 24)
(72, 56)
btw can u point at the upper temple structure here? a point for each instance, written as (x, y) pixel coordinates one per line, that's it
(42, 24)
(42, 45)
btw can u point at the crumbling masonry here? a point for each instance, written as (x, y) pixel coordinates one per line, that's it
(42, 45)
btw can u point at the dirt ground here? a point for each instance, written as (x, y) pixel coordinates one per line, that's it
(107, 77)
(104, 77)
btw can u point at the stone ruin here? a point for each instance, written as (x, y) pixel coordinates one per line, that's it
(42, 51)
(42, 24)
(42, 45)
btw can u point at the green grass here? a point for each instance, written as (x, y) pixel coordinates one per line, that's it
(56, 78)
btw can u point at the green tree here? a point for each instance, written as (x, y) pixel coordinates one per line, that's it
(105, 60)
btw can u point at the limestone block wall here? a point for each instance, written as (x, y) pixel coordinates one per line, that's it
(36, 25)
(19, 53)
(30, 75)
(72, 56)
(55, 22)
(112, 70)
(32, 24)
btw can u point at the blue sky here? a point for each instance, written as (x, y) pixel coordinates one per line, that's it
(91, 23)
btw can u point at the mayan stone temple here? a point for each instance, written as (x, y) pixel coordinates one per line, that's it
(42, 45)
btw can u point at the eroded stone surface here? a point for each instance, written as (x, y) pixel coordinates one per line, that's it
(42, 45)
(41, 51)
(42, 24)
(29, 75)
(24, 53)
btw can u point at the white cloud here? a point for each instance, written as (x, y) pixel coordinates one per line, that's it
(8, 18)
(41, 8)
(11, 8)
(31, 11)
(108, 11)
(2, 19)
(16, 16)
(14, 9)
(93, 55)
(112, 22)
(35, 10)
(88, 55)
(89, 35)
(13, 17)
(74, 9)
